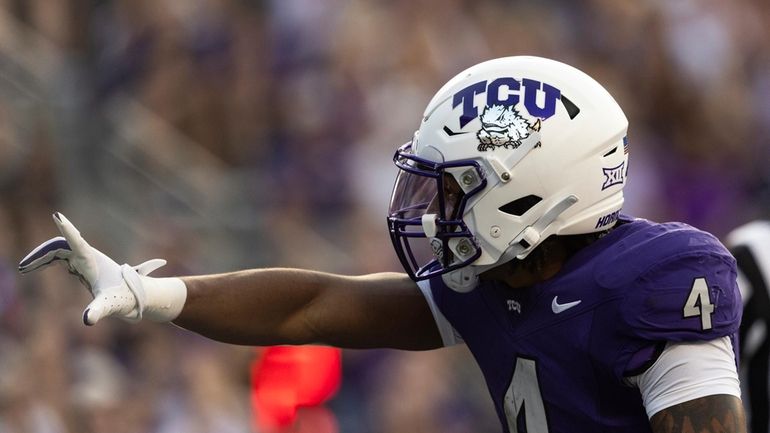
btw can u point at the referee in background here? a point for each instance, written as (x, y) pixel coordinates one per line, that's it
(750, 244)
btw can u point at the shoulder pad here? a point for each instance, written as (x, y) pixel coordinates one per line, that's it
(648, 245)
(677, 284)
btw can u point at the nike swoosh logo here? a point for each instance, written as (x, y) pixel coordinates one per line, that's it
(560, 308)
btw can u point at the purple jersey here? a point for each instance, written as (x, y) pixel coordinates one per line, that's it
(555, 355)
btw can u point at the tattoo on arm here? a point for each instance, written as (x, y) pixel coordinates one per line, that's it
(711, 414)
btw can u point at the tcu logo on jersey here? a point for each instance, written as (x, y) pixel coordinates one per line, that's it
(513, 305)
(507, 92)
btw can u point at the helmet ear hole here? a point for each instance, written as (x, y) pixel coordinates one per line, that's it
(521, 205)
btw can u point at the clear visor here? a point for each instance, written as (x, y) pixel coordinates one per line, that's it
(417, 194)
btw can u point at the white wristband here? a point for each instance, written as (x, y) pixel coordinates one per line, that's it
(165, 298)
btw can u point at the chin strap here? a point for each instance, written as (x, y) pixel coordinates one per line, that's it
(465, 279)
(462, 280)
(531, 236)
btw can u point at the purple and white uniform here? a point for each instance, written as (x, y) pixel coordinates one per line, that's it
(557, 356)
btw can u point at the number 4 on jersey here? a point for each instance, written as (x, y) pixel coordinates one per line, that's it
(699, 303)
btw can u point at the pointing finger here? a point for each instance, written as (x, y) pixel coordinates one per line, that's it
(77, 244)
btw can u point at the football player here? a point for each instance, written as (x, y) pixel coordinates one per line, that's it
(749, 244)
(505, 215)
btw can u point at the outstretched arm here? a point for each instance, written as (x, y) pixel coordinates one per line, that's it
(293, 306)
(256, 307)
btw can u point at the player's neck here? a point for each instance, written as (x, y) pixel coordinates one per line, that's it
(543, 263)
(541, 266)
(524, 278)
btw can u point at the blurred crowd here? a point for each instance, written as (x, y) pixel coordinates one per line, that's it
(303, 102)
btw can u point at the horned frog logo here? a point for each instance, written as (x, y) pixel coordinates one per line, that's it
(503, 126)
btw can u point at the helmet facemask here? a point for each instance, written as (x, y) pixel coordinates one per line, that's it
(426, 214)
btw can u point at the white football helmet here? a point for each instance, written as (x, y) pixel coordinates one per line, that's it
(509, 152)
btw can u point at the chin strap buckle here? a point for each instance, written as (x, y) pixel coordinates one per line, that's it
(461, 280)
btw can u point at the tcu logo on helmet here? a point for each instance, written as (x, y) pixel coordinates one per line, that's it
(502, 122)
(504, 127)
(507, 92)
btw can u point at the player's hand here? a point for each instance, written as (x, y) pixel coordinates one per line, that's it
(117, 290)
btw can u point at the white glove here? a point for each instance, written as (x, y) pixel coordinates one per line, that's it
(119, 290)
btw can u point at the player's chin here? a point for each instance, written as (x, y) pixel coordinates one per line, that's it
(498, 273)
